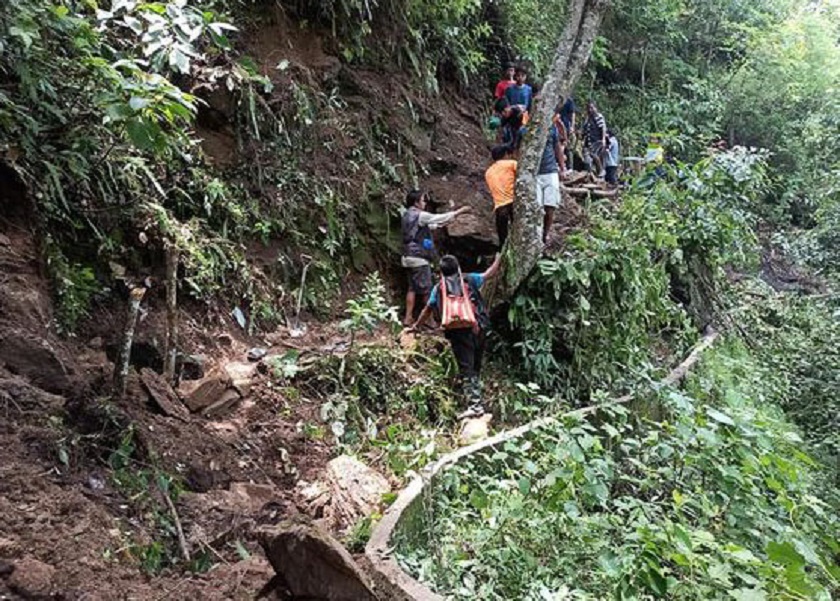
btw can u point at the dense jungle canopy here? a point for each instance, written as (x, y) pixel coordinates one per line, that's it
(200, 237)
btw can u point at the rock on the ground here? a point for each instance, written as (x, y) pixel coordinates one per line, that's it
(229, 398)
(241, 375)
(312, 564)
(17, 392)
(408, 341)
(32, 579)
(257, 353)
(35, 359)
(314, 497)
(475, 230)
(473, 430)
(162, 394)
(355, 491)
(207, 391)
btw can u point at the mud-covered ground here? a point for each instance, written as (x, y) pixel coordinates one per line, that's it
(81, 504)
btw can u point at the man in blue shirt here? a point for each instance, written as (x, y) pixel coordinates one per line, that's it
(467, 343)
(520, 94)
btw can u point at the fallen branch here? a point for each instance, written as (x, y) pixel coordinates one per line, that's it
(679, 372)
(182, 541)
(210, 548)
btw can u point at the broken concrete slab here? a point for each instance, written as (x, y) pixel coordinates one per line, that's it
(311, 564)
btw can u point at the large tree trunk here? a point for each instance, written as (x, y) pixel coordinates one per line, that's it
(524, 245)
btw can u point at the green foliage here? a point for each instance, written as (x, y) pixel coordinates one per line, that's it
(713, 500)
(99, 132)
(799, 339)
(284, 367)
(75, 285)
(426, 36)
(359, 534)
(143, 486)
(761, 74)
(366, 313)
(588, 318)
(99, 128)
(533, 28)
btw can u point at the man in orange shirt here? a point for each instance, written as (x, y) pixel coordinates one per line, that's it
(501, 177)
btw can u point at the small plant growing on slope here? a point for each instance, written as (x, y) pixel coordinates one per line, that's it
(366, 313)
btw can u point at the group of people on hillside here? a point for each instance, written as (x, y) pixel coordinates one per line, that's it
(512, 107)
(455, 299)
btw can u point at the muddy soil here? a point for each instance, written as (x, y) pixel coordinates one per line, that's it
(74, 520)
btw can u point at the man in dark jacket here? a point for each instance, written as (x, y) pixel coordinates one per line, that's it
(419, 248)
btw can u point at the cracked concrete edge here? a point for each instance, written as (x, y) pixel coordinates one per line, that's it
(388, 576)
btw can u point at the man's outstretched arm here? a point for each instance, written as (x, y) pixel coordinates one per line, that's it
(494, 268)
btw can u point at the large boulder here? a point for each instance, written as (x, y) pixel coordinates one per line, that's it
(34, 358)
(355, 491)
(474, 233)
(312, 565)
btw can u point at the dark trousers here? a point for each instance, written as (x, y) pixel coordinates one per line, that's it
(612, 175)
(468, 348)
(504, 215)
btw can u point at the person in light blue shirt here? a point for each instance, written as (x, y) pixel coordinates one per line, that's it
(520, 94)
(612, 158)
(467, 343)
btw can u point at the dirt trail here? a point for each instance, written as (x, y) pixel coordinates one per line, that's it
(74, 525)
